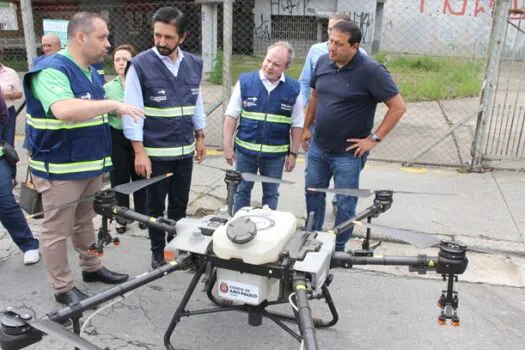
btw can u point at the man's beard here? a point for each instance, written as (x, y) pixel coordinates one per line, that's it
(164, 51)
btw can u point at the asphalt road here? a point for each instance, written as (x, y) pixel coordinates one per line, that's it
(378, 310)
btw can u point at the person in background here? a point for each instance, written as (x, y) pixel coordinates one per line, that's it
(50, 44)
(11, 92)
(346, 88)
(11, 216)
(268, 109)
(316, 51)
(122, 154)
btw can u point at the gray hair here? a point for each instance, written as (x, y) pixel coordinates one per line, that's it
(340, 16)
(286, 45)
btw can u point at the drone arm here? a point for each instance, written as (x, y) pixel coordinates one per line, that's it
(86, 304)
(304, 313)
(161, 224)
(373, 210)
(420, 263)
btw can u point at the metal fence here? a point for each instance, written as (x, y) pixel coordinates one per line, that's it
(501, 131)
(436, 50)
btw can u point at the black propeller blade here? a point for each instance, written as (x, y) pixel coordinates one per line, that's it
(424, 240)
(361, 192)
(55, 330)
(134, 186)
(415, 238)
(249, 177)
(127, 189)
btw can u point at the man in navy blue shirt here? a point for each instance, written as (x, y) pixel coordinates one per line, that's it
(346, 88)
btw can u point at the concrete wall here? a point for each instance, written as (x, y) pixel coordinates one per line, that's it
(363, 12)
(444, 27)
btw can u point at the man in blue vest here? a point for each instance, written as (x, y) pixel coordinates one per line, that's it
(269, 111)
(165, 81)
(70, 147)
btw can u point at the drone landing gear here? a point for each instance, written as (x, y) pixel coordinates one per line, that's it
(302, 315)
(449, 302)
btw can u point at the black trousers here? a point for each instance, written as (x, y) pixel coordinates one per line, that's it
(123, 159)
(177, 188)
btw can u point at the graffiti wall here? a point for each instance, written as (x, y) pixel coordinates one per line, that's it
(445, 27)
(303, 22)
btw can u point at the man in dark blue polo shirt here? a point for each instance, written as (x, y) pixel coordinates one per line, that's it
(346, 88)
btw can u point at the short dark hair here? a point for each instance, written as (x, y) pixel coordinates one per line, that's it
(351, 28)
(82, 22)
(126, 47)
(339, 16)
(173, 16)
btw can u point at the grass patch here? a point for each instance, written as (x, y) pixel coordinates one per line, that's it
(420, 78)
(427, 78)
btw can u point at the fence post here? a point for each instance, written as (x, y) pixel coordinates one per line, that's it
(488, 93)
(29, 31)
(227, 54)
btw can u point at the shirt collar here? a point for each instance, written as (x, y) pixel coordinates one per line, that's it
(263, 78)
(180, 55)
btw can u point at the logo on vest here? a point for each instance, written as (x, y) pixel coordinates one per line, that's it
(86, 96)
(161, 96)
(249, 102)
(194, 91)
(286, 107)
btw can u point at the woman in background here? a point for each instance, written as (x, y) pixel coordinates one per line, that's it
(122, 154)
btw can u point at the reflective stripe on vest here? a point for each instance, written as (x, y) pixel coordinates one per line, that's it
(68, 168)
(100, 71)
(169, 112)
(273, 118)
(170, 151)
(56, 124)
(262, 148)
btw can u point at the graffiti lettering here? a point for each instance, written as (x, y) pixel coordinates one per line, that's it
(451, 7)
(448, 7)
(291, 7)
(262, 31)
(366, 23)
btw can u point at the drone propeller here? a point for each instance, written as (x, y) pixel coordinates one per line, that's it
(361, 192)
(127, 189)
(249, 177)
(55, 330)
(423, 240)
(416, 238)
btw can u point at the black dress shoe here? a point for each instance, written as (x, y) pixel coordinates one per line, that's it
(157, 260)
(105, 276)
(70, 297)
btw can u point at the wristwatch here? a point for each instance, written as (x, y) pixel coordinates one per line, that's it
(375, 138)
(293, 154)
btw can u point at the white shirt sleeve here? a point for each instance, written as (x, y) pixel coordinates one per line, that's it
(235, 105)
(298, 113)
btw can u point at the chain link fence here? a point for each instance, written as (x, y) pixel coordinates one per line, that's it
(435, 49)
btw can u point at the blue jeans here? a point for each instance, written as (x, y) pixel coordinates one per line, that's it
(272, 167)
(11, 215)
(345, 168)
(7, 133)
(312, 132)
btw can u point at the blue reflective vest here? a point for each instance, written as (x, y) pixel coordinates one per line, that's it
(99, 67)
(266, 119)
(169, 103)
(63, 150)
